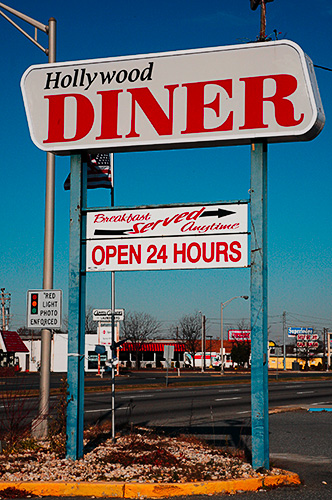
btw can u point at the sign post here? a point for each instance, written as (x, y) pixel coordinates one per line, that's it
(259, 314)
(76, 308)
(168, 356)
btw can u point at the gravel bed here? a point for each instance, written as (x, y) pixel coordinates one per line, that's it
(137, 457)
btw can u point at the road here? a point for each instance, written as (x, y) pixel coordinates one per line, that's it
(31, 381)
(299, 440)
(183, 406)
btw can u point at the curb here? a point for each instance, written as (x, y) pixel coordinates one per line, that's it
(152, 490)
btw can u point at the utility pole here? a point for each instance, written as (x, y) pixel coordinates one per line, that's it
(253, 5)
(203, 341)
(5, 297)
(284, 336)
(326, 337)
(41, 423)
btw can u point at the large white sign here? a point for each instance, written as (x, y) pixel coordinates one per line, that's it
(187, 252)
(211, 96)
(44, 309)
(104, 315)
(170, 237)
(182, 220)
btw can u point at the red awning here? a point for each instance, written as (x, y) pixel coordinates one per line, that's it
(13, 342)
(151, 347)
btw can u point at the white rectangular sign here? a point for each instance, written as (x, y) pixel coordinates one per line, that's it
(203, 97)
(106, 315)
(298, 330)
(182, 220)
(239, 335)
(105, 333)
(186, 252)
(44, 309)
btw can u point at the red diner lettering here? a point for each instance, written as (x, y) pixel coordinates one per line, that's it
(162, 123)
(56, 120)
(109, 114)
(196, 105)
(233, 247)
(254, 101)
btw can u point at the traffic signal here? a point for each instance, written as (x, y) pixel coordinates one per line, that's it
(255, 3)
(115, 345)
(34, 303)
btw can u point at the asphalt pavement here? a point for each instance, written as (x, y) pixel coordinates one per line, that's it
(301, 442)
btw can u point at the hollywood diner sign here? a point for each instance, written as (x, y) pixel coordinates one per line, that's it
(204, 97)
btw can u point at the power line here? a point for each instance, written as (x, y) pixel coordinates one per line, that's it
(322, 67)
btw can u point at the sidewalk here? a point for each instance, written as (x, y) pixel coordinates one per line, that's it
(152, 490)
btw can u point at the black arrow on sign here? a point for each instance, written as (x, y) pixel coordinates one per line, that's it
(220, 212)
(110, 232)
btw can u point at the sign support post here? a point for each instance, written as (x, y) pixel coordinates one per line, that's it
(76, 319)
(259, 340)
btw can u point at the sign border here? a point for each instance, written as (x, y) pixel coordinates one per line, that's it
(44, 327)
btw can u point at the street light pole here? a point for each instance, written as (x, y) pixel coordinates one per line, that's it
(222, 307)
(203, 342)
(41, 423)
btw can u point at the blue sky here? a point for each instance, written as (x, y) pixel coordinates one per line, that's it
(299, 174)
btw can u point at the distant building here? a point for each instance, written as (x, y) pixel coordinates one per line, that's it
(13, 351)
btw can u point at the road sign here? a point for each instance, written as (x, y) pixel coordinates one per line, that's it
(172, 220)
(44, 309)
(307, 345)
(307, 336)
(278, 350)
(293, 331)
(202, 97)
(187, 252)
(168, 237)
(168, 352)
(239, 335)
(105, 315)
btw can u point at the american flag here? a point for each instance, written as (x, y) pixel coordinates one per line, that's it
(99, 172)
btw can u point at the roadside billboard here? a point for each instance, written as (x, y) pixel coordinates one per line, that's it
(239, 335)
(293, 331)
(202, 97)
(168, 237)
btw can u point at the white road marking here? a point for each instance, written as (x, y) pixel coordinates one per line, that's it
(138, 396)
(227, 399)
(305, 392)
(95, 411)
(229, 390)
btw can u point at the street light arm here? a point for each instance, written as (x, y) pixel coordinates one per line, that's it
(33, 40)
(25, 18)
(224, 304)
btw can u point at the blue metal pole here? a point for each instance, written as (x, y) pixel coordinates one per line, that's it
(259, 316)
(76, 309)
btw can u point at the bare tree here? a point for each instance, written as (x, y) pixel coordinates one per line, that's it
(139, 327)
(189, 330)
(243, 325)
(90, 324)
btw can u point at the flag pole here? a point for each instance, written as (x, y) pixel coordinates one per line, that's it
(113, 308)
